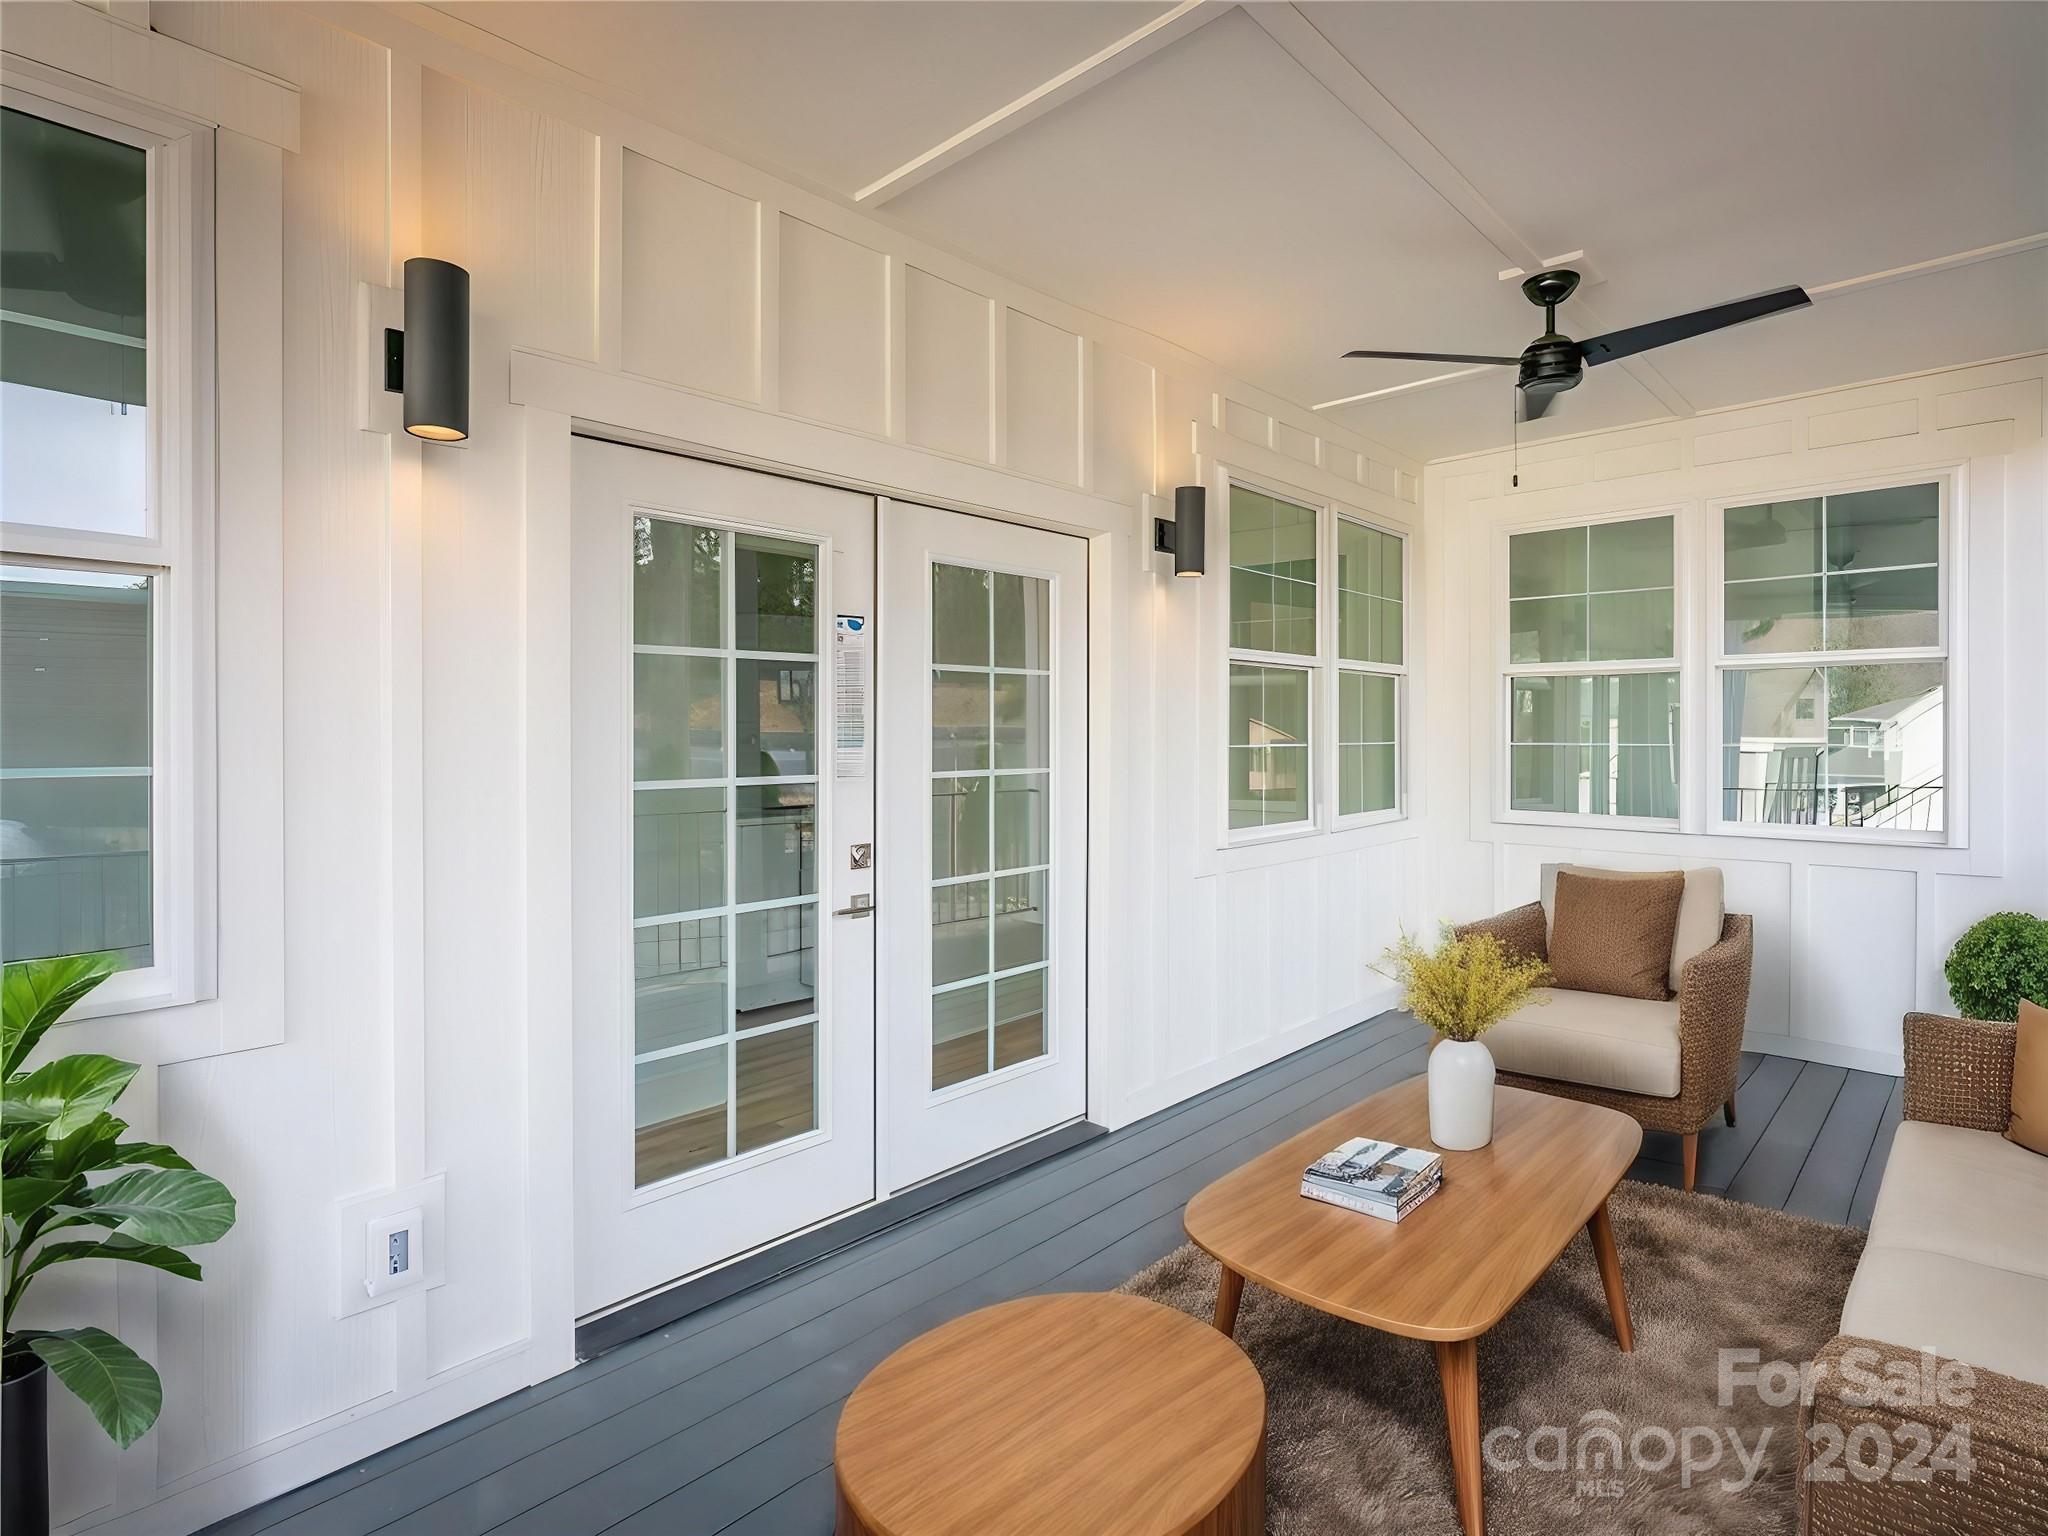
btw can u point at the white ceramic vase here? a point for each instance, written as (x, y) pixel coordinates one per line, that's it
(1460, 1095)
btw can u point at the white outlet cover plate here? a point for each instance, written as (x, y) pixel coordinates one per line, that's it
(351, 1223)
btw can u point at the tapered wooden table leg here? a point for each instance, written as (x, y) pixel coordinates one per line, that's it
(1602, 1232)
(1457, 1360)
(1229, 1291)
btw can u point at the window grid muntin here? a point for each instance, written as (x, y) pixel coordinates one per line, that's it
(996, 871)
(730, 908)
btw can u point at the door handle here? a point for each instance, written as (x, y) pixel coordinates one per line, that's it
(863, 906)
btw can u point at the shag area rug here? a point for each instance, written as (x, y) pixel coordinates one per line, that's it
(1579, 1437)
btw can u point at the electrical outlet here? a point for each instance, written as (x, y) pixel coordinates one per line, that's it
(395, 1255)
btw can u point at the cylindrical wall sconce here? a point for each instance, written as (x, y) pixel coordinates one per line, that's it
(436, 360)
(1186, 536)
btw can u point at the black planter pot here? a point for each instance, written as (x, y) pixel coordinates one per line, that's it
(25, 1453)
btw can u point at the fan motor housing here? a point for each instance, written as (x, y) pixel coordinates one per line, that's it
(1550, 364)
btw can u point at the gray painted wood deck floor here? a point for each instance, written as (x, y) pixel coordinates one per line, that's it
(723, 1421)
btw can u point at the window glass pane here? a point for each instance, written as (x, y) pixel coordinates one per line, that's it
(1873, 610)
(778, 838)
(1268, 754)
(1631, 626)
(1900, 525)
(678, 717)
(959, 1035)
(678, 1114)
(776, 1087)
(1595, 745)
(1547, 629)
(75, 658)
(960, 826)
(1547, 564)
(678, 983)
(1369, 594)
(960, 927)
(1023, 720)
(676, 576)
(1020, 1018)
(1365, 708)
(1272, 574)
(960, 705)
(776, 965)
(1023, 820)
(1765, 616)
(1775, 538)
(1020, 920)
(960, 616)
(74, 356)
(678, 851)
(1366, 779)
(775, 589)
(1627, 555)
(1023, 619)
(1268, 705)
(776, 733)
(1850, 746)
(1632, 708)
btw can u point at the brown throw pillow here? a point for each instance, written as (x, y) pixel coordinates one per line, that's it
(1614, 936)
(2028, 1126)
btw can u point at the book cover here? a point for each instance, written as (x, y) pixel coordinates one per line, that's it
(1368, 1168)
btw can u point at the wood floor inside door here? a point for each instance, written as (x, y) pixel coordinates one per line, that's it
(777, 1100)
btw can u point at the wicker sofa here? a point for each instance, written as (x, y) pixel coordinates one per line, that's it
(1957, 1264)
(1670, 1065)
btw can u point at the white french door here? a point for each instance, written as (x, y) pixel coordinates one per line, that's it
(724, 1060)
(984, 762)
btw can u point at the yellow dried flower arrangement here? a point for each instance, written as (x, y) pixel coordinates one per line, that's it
(1463, 987)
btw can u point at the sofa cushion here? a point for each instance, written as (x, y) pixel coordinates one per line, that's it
(1614, 936)
(1977, 1313)
(1970, 1194)
(1627, 1043)
(1699, 910)
(2028, 1126)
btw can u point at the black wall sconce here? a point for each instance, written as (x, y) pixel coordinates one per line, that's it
(1185, 536)
(428, 361)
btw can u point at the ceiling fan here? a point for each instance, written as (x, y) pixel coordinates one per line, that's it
(1552, 364)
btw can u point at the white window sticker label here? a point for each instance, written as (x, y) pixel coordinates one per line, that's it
(850, 695)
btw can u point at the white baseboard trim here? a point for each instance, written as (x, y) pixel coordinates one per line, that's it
(307, 1454)
(1890, 1063)
(1246, 1058)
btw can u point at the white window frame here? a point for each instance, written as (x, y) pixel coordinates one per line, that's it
(1506, 671)
(1398, 671)
(1323, 667)
(176, 547)
(1946, 650)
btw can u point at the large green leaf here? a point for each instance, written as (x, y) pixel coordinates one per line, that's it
(167, 1205)
(154, 1153)
(22, 1198)
(126, 1249)
(67, 1093)
(118, 1385)
(35, 994)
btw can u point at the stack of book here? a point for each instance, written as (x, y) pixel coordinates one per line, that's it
(1377, 1178)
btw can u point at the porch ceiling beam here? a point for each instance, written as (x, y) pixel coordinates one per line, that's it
(1106, 64)
(1308, 47)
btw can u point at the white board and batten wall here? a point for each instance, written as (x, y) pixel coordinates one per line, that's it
(1850, 933)
(625, 276)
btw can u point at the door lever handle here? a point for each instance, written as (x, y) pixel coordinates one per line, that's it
(863, 906)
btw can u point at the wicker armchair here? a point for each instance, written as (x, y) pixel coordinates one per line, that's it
(1713, 1002)
(1958, 1073)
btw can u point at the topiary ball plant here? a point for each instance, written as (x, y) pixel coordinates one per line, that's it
(1999, 960)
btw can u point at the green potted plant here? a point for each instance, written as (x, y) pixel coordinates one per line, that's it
(1461, 989)
(73, 1190)
(1999, 961)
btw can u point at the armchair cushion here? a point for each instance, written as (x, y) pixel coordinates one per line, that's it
(1628, 1044)
(1969, 1194)
(1700, 910)
(1986, 1317)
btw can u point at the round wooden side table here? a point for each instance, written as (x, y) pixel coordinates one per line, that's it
(1082, 1415)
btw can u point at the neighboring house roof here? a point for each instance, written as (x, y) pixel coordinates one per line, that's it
(1895, 709)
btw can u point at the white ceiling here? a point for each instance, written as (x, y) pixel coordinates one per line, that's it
(1219, 196)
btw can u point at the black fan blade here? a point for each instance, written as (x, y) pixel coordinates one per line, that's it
(1661, 333)
(1438, 357)
(1534, 405)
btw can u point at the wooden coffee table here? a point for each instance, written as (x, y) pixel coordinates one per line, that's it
(1055, 1414)
(1449, 1270)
